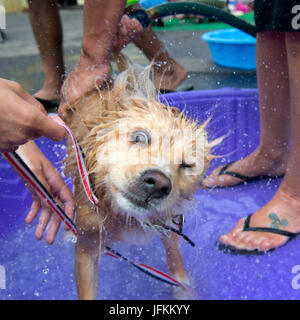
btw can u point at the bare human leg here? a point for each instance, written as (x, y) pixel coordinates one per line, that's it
(168, 73)
(270, 157)
(46, 25)
(285, 205)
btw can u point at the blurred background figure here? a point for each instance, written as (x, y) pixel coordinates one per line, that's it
(168, 73)
(47, 29)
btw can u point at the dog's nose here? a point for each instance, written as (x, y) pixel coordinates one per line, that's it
(156, 184)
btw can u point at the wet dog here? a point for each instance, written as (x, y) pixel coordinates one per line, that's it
(144, 161)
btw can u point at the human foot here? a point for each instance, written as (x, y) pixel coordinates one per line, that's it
(282, 212)
(258, 163)
(168, 74)
(48, 94)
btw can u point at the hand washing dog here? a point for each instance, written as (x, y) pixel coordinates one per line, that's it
(144, 161)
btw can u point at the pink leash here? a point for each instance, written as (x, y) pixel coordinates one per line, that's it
(20, 166)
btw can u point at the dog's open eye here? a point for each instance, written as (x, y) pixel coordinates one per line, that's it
(140, 137)
(185, 165)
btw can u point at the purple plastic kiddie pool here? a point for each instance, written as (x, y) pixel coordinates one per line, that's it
(30, 269)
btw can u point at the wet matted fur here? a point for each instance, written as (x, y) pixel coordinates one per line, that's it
(144, 161)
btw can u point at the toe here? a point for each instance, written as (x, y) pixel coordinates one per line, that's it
(272, 242)
(265, 245)
(245, 240)
(225, 239)
(229, 237)
(211, 180)
(257, 241)
(223, 180)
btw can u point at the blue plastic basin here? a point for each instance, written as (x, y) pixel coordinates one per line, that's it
(146, 4)
(35, 270)
(232, 48)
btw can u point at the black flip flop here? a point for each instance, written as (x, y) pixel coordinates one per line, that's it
(180, 88)
(234, 250)
(48, 105)
(241, 176)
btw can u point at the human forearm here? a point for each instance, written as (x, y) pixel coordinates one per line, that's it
(101, 20)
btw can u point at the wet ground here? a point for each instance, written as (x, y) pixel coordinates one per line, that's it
(20, 60)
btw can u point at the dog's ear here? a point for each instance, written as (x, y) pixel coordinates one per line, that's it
(99, 192)
(137, 78)
(106, 85)
(92, 179)
(67, 113)
(121, 61)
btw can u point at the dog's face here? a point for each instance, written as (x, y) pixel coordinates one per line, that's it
(149, 160)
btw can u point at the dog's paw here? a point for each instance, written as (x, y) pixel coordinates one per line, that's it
(69, 237)
(184, 293)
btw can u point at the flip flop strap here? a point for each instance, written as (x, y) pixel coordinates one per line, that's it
(231, 173)
(269, 230)
(48, 104)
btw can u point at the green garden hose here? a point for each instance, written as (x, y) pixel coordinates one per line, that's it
(173, 8)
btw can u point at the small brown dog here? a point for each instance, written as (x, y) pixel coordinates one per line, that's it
(144, 161)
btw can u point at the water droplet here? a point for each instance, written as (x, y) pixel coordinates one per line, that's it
(36, 293)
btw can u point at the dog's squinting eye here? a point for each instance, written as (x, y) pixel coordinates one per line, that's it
(140, 137)
(185, 165)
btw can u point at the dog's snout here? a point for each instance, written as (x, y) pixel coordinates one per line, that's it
(156, 184)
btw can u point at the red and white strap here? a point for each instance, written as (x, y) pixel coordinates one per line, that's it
(152, 272)
(80, 162)
(20, 166)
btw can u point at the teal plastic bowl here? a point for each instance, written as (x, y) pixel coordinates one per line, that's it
(232, 48)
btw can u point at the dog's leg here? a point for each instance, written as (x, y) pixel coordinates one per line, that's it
(176, 266)
(174, 258)
(87, 252)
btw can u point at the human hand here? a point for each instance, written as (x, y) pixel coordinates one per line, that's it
(93, 67)
(129, 30)
(23, 118)
(55, 185)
